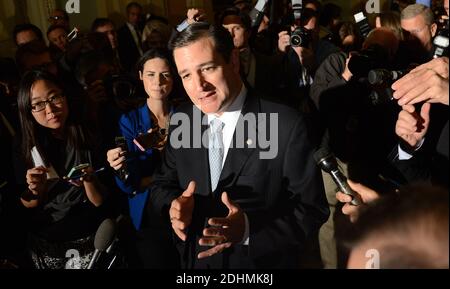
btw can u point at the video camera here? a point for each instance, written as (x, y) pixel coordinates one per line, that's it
(373, 57)
(381, 81)
(121, 87)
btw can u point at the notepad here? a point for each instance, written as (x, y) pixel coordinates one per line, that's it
(52, 176)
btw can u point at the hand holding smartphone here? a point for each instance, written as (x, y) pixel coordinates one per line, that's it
(154, 139)
(80, 171)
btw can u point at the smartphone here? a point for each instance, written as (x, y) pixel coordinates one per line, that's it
(150, 140)
(77, 171)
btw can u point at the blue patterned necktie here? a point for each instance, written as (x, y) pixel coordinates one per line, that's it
(216, 151)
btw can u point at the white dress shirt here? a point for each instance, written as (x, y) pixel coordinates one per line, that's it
(230, 118)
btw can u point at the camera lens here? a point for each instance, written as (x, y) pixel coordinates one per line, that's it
(296, 40)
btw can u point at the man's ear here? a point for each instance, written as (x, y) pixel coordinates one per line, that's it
(235, 60)
(140, 75)
(433, 29)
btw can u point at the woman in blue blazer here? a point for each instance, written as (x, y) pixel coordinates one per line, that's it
(135, 164)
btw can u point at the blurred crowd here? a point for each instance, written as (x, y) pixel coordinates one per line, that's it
(373, 93)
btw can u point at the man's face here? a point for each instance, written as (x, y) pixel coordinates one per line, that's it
(26, 36)
(134, 15)
(109, 30)
(417, 29)
(59, 38)
(211, 83)
(237, 30)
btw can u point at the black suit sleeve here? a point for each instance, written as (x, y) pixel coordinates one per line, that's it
(165, 186)
(328, 75)
(302, 208)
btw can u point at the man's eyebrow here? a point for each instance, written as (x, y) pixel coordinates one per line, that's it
(199, 66)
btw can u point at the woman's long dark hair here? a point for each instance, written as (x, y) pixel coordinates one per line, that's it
(165, 54)
(33, 134)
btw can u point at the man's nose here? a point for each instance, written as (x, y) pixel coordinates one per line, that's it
(200, 82)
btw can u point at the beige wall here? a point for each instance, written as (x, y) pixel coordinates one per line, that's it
(17, 11)
(13, 12)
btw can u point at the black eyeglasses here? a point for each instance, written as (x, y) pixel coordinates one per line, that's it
(54, 100)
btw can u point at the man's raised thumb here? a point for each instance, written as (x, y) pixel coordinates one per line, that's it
(189, 192)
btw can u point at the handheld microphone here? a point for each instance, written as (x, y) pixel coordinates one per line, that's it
(104, 236)
(327, 162)
(123, 173)
(257, 13)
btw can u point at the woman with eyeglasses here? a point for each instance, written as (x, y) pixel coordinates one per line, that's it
(145, 133)
(63, 212)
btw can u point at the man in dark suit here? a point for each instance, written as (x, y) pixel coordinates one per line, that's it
(129, 37)
(237, 202)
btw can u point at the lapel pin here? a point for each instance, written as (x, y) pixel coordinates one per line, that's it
(249, 142)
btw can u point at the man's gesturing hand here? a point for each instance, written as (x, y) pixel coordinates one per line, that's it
(181, 211)
(412, 127)
(224, 231)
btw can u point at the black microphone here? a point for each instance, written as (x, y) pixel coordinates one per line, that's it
(104, 236)
(327, 162)
(123, 172)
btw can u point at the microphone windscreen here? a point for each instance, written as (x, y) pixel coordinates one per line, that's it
(105, 234)
(320, 154)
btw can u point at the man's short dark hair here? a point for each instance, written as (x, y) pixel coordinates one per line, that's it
(54, 27)
(35, 47)
(223, 41)
(27, 27)
(409, 228)
(64, 12)
(234, 11)
(100, 22)
(133, 4)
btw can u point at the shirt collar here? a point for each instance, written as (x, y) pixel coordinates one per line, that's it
(233, 110)
(130, 26)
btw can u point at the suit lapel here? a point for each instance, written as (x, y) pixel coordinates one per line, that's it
(237, 155)
(199, 156)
